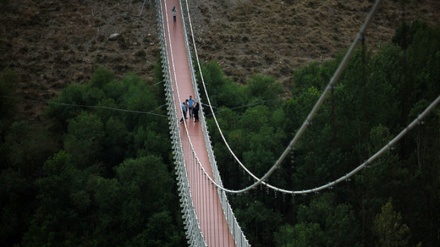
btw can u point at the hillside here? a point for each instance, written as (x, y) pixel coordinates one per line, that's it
(53, 43)
(275, 37)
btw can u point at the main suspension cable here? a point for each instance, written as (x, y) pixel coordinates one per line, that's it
(334, 79)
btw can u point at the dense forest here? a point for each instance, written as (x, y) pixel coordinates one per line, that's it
(95, 172)
(96, 169)
(392, 203)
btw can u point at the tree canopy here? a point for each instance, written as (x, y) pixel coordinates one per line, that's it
(99, 173)
(379, 93)
(95, 170)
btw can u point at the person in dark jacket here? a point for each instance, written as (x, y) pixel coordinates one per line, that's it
(174, 13)
(196, 108)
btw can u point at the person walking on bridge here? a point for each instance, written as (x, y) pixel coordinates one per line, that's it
(174, 13)
(190, 106)
(184, 107)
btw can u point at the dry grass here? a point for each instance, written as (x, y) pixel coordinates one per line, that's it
(284, 35)
(54, 43)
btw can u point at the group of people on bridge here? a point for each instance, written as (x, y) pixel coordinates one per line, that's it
(192, 107)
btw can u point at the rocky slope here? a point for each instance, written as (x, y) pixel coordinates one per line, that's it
(274, 37)
(53, 43)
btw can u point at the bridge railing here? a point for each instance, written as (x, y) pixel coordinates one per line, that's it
(192, 226)
(234, 227)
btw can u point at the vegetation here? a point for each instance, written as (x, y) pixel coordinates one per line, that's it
(96, 170)
(98, 174)
(392, 203)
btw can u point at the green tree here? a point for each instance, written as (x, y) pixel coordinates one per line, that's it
(17, 200)
(80, 207)
(8, 96)
(389, 228)
(231, 95)
(66, 106)
(116, 142)
(85, 140)
(214, 79)
(259, 223)
(55, 217)
(265, 89)
(101, 77)
(307, 234)
(147, 180)
(110, 184)
(336, 221)
(375, 98)
(161, 231)
(27, 145)
(284, 237)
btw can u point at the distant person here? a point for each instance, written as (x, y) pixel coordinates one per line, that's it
(196, 111)
(190, 106)
(184, 107)
(174, 13)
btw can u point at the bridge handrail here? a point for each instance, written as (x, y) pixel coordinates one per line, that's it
(193, 230)
(234, 227)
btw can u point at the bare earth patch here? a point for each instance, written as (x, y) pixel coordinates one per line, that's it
(51, 44)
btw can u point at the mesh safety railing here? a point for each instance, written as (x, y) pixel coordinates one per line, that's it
(192, 226)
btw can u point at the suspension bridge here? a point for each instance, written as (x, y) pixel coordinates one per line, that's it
(208, 217)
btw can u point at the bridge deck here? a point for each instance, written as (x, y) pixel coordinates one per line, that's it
(205, 197)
